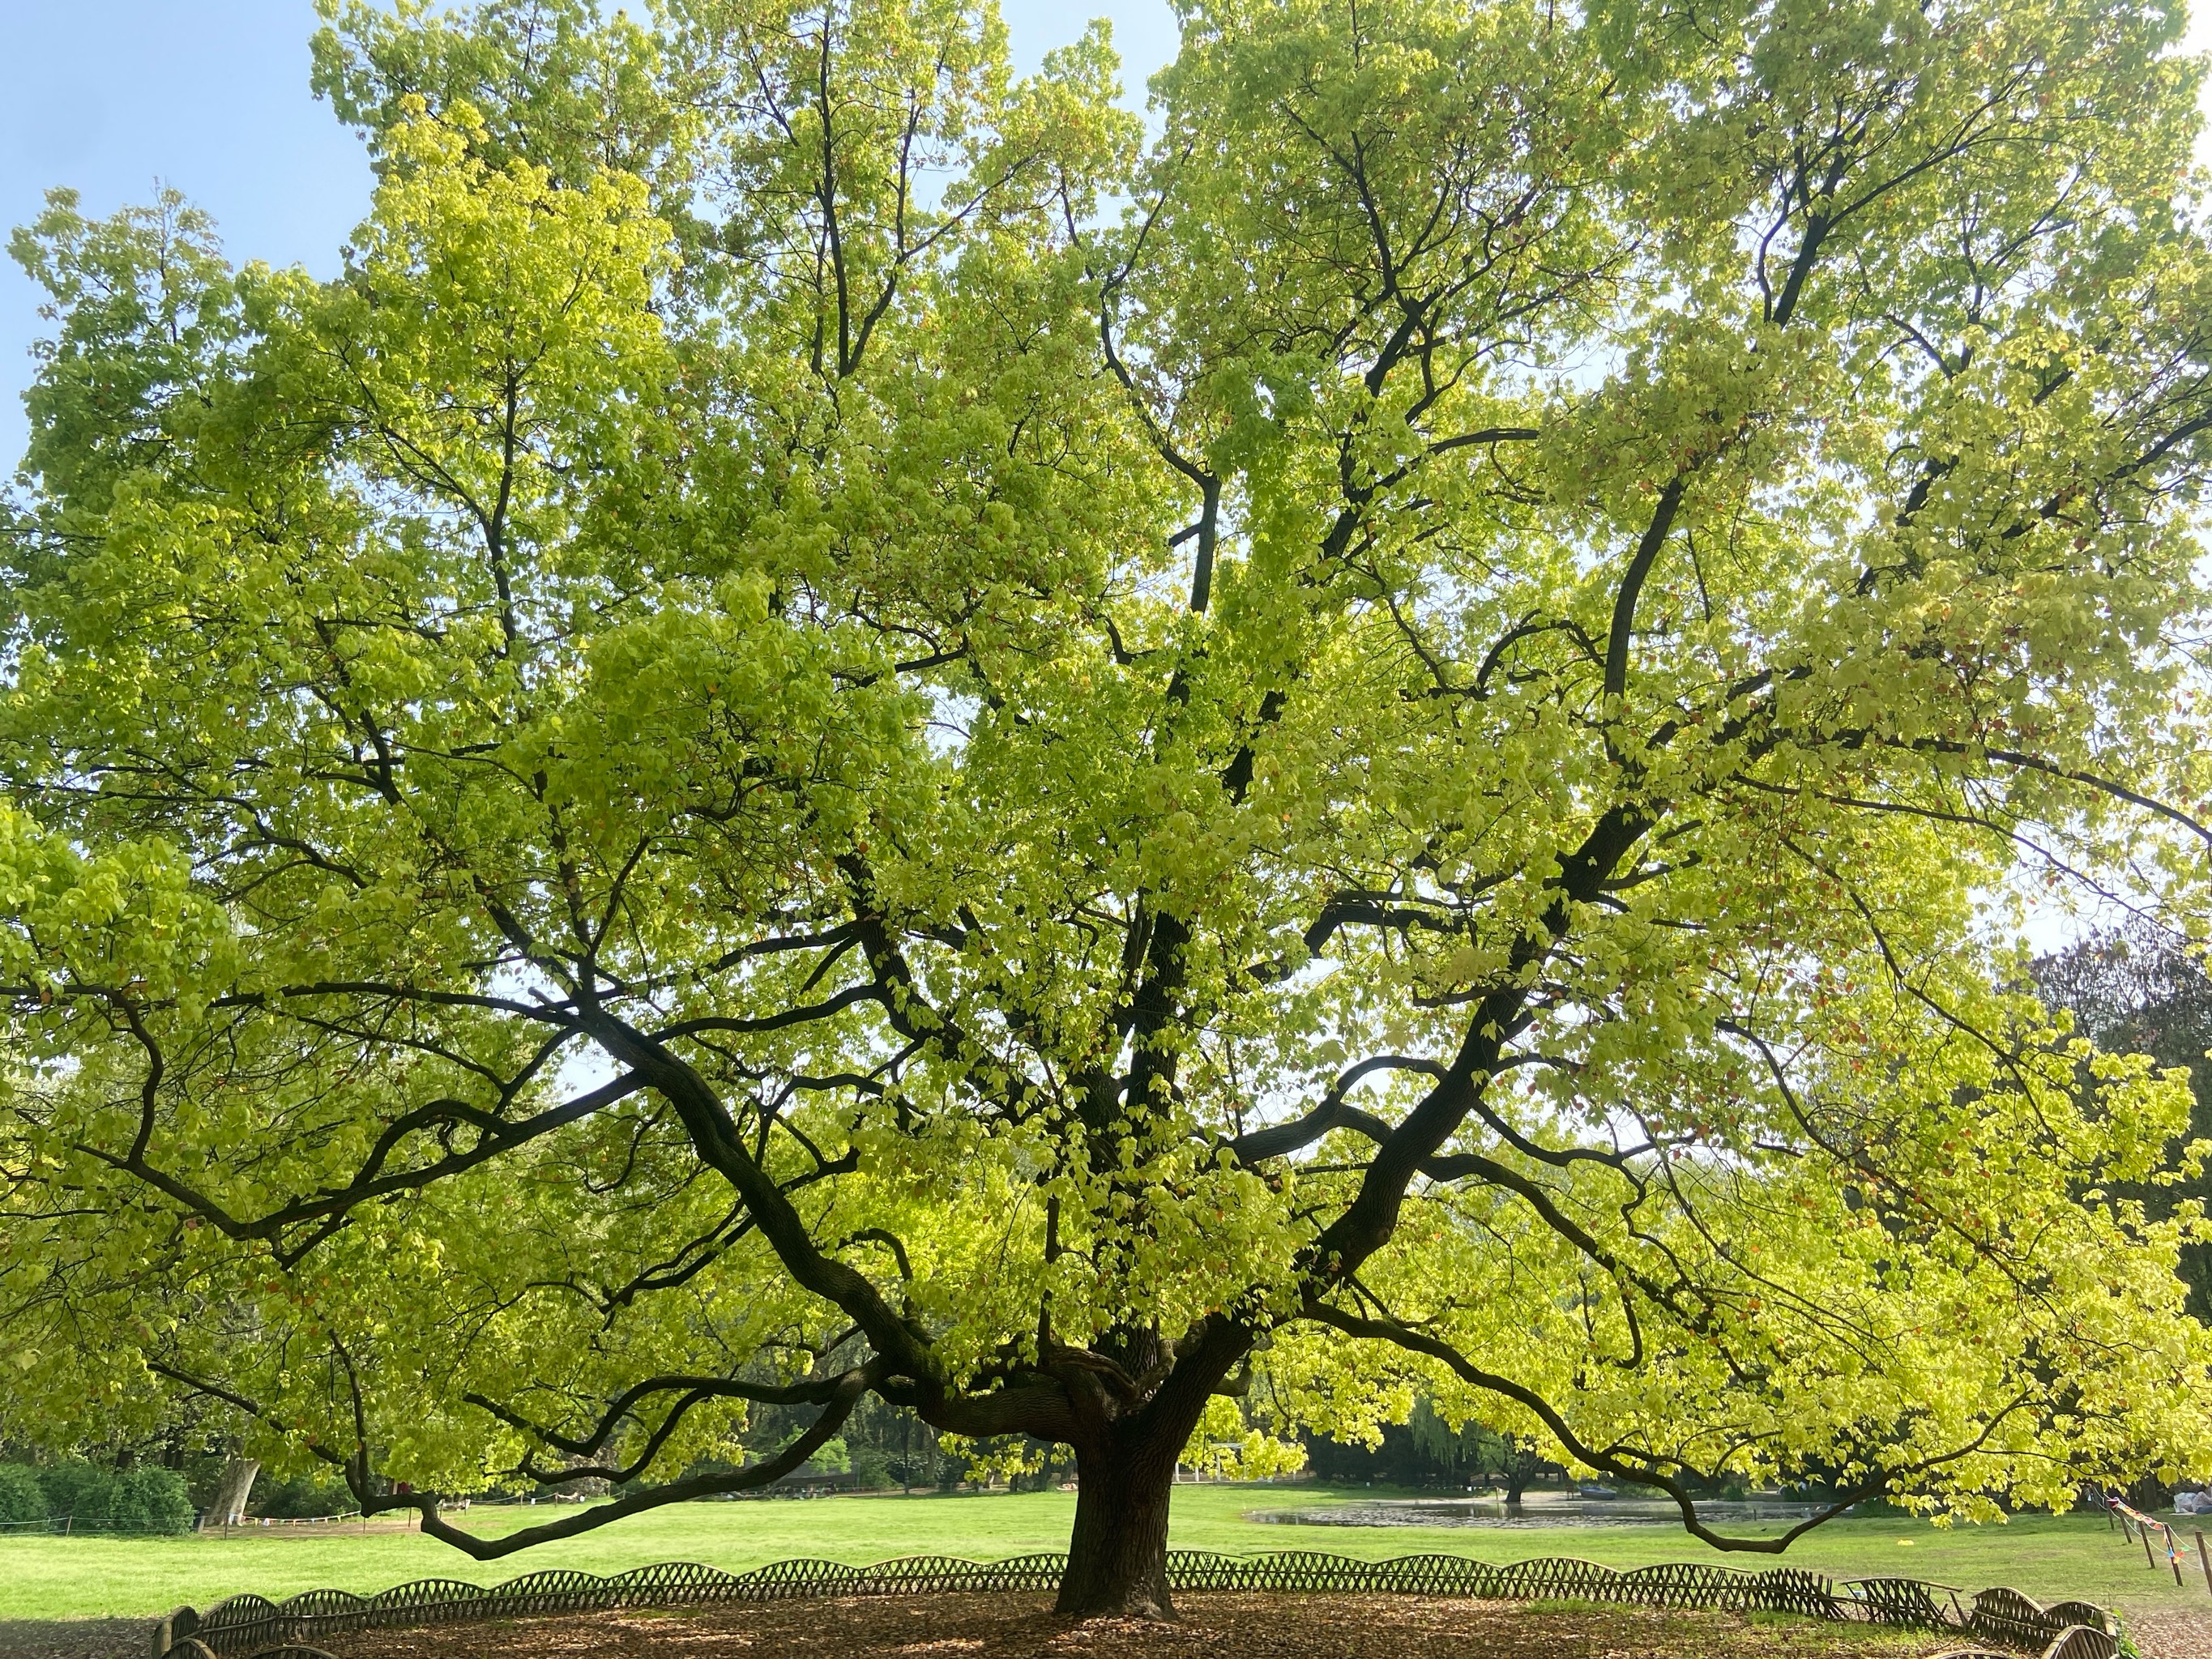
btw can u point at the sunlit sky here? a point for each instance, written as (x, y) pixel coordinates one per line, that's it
(109, 96)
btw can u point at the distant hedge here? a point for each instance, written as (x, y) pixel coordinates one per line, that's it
(140, 1499)
(20, 1500)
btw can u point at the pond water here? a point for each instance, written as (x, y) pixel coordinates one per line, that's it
(1544, 1510)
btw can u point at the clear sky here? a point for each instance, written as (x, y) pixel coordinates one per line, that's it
(109, 97)
(211, 96)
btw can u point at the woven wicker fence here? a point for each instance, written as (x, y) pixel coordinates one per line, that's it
(252, 1625)
(2080, 1642)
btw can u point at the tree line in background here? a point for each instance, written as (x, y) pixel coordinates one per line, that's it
(884, 1448)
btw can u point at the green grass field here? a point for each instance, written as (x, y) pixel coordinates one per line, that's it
(44, 1577)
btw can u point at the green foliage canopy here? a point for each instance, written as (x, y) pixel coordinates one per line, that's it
(833, 726)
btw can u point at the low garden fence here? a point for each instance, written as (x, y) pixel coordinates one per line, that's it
(252, 1627)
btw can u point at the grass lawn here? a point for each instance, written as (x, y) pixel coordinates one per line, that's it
(2049, 1558)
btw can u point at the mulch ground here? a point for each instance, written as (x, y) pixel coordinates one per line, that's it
(75, 1639)
(2164, 1635)
(1212, 1626)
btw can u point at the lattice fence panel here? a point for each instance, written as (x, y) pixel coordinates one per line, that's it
(1906, 1602)
(2085, 1642)
(2006, 1615)
(252, 1625)
(2079, 1613)
(2077, 1642)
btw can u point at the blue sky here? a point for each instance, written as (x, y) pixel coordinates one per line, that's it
(211, 96)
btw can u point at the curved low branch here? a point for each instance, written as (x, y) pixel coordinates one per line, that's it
(815, 1391)
(849, 1388)
(1038, 1409)
(1644, 1472)
(714, 1137)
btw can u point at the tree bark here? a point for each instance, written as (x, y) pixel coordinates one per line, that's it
(231, 1493)
(1117, 1555)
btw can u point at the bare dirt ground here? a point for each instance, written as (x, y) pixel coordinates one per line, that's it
(1212, 1626)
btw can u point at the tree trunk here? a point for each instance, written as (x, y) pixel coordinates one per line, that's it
(1117, 1556)
(228, 1505)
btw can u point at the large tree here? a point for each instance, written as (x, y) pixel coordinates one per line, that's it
(834, 727)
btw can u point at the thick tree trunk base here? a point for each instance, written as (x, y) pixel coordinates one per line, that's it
(1117, 1554)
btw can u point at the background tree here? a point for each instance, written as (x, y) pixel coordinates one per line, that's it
(2138, 989)
(1426, 1450)
(773, 755)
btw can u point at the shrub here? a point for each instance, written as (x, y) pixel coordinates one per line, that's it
(144, 1498)
(871, 1468)
(149, 1498)
(77, 1489)
(20, 1500)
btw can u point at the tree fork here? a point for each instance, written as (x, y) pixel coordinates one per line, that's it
(1124, 1464)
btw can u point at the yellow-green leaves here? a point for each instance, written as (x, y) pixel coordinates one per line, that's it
(124, 925)
(146, 309)
(639, 786)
